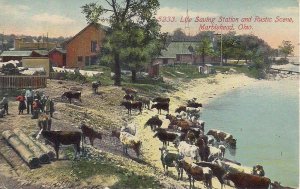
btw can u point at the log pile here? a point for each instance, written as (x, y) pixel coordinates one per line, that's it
(37, 151)
(31, 151)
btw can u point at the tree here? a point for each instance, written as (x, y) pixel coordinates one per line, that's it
(130, 22)
(286, 48)
(204, 48)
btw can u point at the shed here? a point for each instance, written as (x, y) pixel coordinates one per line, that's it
(14, 55)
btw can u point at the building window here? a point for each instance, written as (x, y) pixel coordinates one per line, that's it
(93, 46)
(79, 58)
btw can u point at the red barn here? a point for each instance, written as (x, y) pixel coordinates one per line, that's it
(57, 57)
(83, 48)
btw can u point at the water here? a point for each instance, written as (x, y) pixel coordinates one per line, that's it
(265, 120)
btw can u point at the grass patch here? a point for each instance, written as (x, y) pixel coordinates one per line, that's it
(112, 173)
(181, 71)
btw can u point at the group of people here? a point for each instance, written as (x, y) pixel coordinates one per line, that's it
(35, 103)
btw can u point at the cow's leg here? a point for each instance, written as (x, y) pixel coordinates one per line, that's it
(190, 180)
(92, 141)
(70, 100)
(56, 148)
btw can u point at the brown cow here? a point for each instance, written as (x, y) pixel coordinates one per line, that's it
(153, 122)
(63, 137)
(72, 94)
(180, 109)
(217, 170)
(183, 124)
(132, 105)
(44, 122)
(196, 172)
(244, 180)
(90, 133)
(222, 136)
(161, 106)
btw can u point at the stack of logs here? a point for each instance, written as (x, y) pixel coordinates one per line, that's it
(31, 151)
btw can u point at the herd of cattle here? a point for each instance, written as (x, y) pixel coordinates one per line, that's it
(200, 155)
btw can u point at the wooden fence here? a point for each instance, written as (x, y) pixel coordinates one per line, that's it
(21, 82)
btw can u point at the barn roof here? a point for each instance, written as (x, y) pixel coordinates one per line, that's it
(41, 52)
(178, 47)
(58, 50)
(99, 26)
(16, 53)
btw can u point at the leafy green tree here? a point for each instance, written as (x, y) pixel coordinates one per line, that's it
(286, 48)
(204, 48)
(123, 43)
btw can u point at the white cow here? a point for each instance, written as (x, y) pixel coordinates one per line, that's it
(189, 150)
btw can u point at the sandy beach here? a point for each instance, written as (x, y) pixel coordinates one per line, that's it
(204, 90)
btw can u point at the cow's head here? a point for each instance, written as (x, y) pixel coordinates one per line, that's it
(258, 170)
(153, 106)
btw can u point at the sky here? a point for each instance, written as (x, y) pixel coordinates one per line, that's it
(64, 17)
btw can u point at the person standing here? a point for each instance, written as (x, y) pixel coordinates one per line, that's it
(22, 105)
(36, 108)
(49, 107)
(4, 103)
(29, 94)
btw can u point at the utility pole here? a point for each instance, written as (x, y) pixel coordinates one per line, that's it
(221, 48)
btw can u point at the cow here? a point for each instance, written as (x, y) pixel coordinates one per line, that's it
(129, 128)
(203, 149)
(72, 94)
(90, 133)
(214, 153)
(154, 122)
(95, 86)
(44, 122)
(161, 106)
(245, 180)
(132, 105)
(193, 103)
(63, 137)
(184, 125)
(217, 171)
(145, 101)
(128, 141)
(180, 109)
(187, 150)
(170, 160)
(129, 90)
(222, 136)
(165, 136)
(161, 99)
(193, 113)
(196, 172)
(234, 168)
